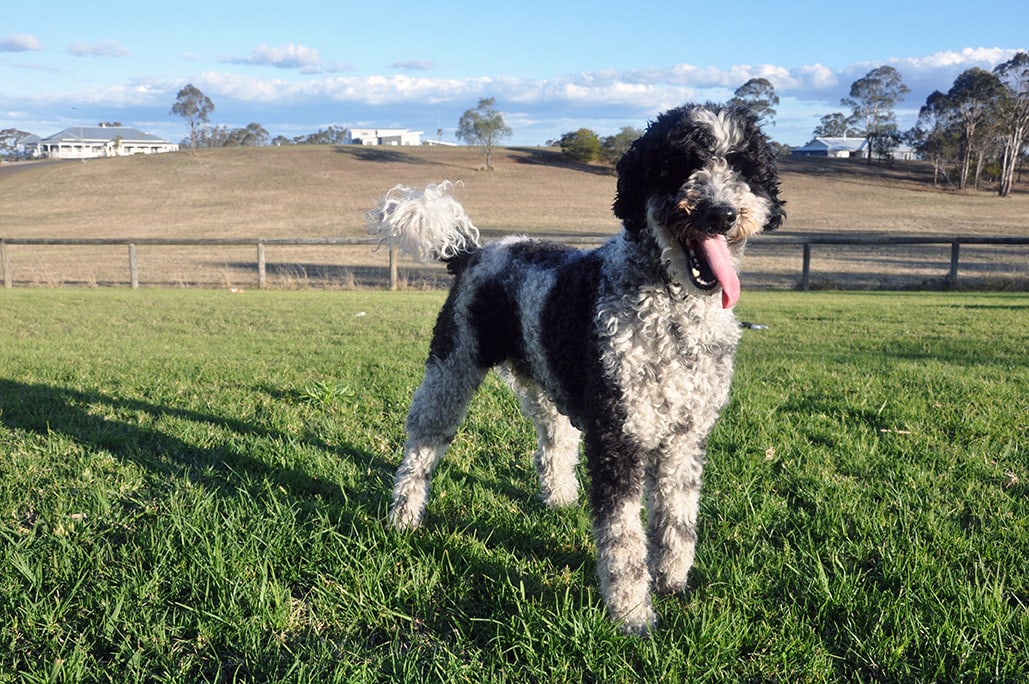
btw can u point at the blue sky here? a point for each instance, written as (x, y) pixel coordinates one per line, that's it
(552, 67)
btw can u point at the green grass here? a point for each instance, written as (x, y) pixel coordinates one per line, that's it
(193, 487)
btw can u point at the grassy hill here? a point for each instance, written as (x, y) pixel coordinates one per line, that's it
(325, 190)
(308, 191)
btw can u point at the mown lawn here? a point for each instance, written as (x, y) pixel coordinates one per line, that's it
(193, 486)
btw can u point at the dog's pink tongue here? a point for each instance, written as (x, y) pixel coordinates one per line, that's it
(716, 252)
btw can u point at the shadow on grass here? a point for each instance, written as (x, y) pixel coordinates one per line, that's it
(221, 469)
(381, 155)
(539, 156)
(474, 549)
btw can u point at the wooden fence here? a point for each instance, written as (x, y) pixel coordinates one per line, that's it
(804, 243)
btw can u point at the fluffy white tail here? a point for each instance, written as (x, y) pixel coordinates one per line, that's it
(424, 224)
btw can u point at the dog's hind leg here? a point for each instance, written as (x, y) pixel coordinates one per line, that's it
(557, 451)
(438, 407)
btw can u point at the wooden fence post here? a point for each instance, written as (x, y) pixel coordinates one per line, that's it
(261, 266)
(133, 267)
(5, 264)
(955, 250)
(393, 268)
(805, 272)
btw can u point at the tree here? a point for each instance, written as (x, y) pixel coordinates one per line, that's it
(1014, 113)
(835, 125)
(333, 135)
(10, 141)
(973, 101)
(254, 135)
(757, 95)
(483, 126)
(934, 135)
(614, 146)
(872, 99)
(195, 107)
(582, 145)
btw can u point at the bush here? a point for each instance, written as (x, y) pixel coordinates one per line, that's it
(582, 145)
(614, 146)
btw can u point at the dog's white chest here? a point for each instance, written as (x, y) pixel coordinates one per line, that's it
(671, 361)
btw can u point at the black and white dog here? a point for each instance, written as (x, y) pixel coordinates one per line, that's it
(630, 344)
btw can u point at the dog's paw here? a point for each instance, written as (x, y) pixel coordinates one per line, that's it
(403, 519)
(665, 586)
(560, 497)
(639, 622)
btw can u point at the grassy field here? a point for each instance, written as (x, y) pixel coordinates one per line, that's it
(319, 191)
(193, 487)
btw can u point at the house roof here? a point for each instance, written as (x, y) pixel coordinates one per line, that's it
(102, 134)
(835, 144)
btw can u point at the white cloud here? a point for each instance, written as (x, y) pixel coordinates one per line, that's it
(283, 57)
(413, 65)
(290, 56)
(964, 59)
(107, 48)
(538, 109)
(20, 42)
(817, 76)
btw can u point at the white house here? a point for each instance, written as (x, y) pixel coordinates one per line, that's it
(382, 136)
(841, 148)
(92, 142)
(836, 148)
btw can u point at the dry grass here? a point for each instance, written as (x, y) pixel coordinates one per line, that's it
(310, 191)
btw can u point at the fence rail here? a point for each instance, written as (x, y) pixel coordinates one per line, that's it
(805, 243)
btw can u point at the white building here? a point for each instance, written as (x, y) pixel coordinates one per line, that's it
(842, 148)
(833, 147)
(92, 142)
(383, 136)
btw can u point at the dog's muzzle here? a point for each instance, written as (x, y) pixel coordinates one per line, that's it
(715, 219)
(707, 252)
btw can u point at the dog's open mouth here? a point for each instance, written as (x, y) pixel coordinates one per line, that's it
(711, 266)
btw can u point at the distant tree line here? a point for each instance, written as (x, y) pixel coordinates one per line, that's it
(978, 128)
(584, 145)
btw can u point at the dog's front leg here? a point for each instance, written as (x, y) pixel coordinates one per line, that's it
(673, 489)
(616, 497)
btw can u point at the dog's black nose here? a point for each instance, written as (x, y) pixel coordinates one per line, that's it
(719, 218)
(726, 217)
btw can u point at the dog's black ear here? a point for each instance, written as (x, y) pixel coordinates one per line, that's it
(764, 174)
(630, 199)
(777, 216)
(656, 165)
(770, 183)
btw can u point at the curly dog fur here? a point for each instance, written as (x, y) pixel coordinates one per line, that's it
(630, 345)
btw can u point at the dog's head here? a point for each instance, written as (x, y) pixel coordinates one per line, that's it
(701, 180)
